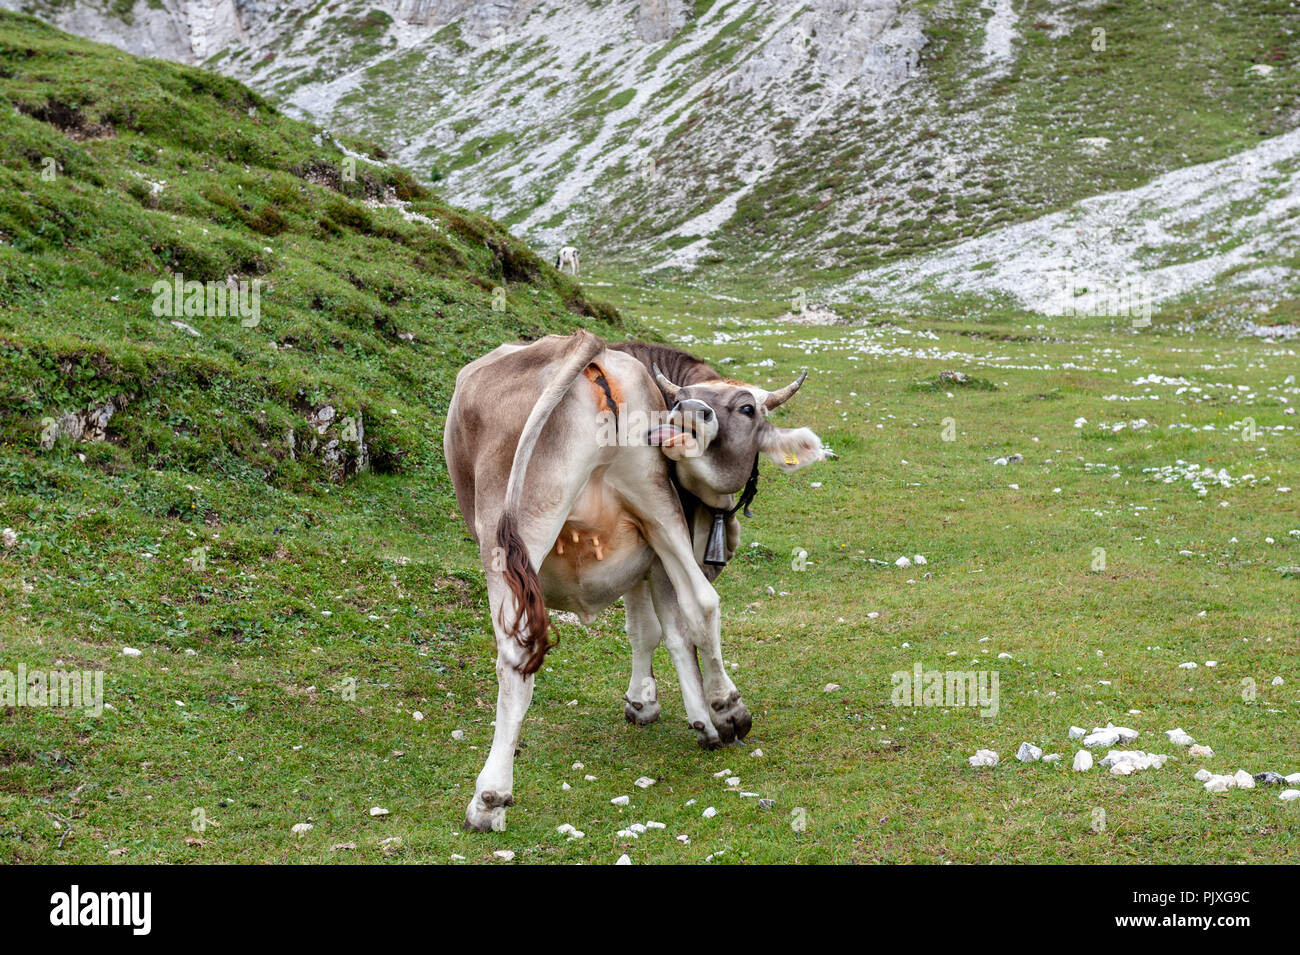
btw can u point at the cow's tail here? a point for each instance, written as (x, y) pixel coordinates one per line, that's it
(530, 627)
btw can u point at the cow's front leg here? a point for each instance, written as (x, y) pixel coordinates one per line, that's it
(729, 714)
(687, 606)
(641, 702)
(681, 647)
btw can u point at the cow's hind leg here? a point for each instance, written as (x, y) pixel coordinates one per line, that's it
(494, 788)
(641, 703)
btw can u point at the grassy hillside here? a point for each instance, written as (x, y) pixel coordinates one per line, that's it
(119, 172)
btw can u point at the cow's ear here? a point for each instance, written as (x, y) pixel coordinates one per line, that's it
(791, 448)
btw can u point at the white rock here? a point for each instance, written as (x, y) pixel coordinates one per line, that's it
(902, 562)
(830, 688)
(1098, 739)
(1277, 681)
(1179, 738)
(1200, 752)
(1244, 779)
(457, 734)
(1187, 666)
(709, 813)
(1004, 656)
(757, 753)
(505, 855)
(1202, 775)
(1126, 735)
(1293, 779)
(1289, 794)
(627, 834)
(565, 786)
(1052, 758)
(624, 859)
(621, 800)
(919, 560)
(579, 766)
(733, 781)
(1029, 753)
(984, 757)
(130, 652)
(589, 778)
(1077, 732)
(651, 824)
(565, 829)
(378, 811)
(417, 716)
(1218, 784)
(644, 782)
(1082, 761)
(1124, 762)
(301, 827)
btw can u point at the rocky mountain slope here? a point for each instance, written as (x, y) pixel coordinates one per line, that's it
(1230, 227)
(807, 141)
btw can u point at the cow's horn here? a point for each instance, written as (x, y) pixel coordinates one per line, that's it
(669, 388)
(778, 398)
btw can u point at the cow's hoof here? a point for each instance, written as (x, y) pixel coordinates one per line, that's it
(487, 811)
(639, 713)
(731, 718)
(706, 735)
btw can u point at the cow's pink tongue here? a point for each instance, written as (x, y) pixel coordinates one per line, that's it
(664, 434)
(668, 436)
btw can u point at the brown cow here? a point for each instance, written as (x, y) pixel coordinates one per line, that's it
(586, 473)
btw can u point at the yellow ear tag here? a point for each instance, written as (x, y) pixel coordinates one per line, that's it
(790, 459)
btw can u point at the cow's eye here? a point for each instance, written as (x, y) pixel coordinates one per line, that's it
(747, 411)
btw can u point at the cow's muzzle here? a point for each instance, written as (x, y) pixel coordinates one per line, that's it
(687, 430)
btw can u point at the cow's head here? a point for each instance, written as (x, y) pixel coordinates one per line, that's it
(716, 428)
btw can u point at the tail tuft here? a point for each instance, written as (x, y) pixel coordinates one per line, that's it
(531, 627)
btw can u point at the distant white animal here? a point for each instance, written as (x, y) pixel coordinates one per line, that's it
(568, 258)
